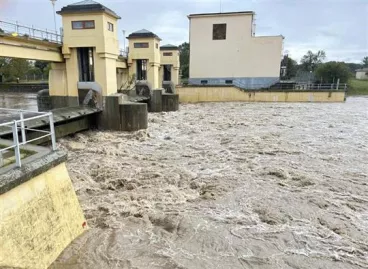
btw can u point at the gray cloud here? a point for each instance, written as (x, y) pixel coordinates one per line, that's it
(340, 27)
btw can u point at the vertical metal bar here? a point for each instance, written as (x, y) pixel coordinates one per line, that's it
(22, 127)
(52, 131)
(16, 143)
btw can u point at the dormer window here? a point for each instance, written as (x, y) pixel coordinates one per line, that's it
(76, 25)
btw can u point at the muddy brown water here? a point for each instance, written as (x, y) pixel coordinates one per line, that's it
(226, 185)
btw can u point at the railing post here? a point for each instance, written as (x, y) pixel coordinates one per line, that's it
(52, 131)
(16, 143)
(22, 127)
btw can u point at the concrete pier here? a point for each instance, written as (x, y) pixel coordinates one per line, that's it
(170, 102)
(133, 116)
(155, 103)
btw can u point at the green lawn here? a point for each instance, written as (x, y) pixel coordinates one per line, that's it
(357, 87)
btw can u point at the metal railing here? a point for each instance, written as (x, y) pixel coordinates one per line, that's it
(293, 86)
(16, 125)
(30, 31)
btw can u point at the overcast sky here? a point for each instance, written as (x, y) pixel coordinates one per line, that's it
(340, 27)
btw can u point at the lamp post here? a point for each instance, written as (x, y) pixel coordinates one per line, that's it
(53, 7)
(124, 42)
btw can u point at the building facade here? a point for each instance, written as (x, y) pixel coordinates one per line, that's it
(224, 50)
(361, 73)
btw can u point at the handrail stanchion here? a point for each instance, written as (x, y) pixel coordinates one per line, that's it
(52, 131)
(16, 144)
(22, 127)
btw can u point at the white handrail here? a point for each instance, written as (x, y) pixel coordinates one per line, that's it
(19, 124)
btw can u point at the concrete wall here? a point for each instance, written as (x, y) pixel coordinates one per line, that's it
(173, 60)
(232, 94)
(39, 218)
(362, 75)
(241, 56)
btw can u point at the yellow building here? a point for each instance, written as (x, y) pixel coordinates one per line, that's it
(170, 64)
(224, 50)
(144, 56)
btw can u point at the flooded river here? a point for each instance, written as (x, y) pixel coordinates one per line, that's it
(226, 185)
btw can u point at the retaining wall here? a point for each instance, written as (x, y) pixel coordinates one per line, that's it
(39, 214)
(232, 94)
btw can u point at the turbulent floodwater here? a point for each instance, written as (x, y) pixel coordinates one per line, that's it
(226, 185)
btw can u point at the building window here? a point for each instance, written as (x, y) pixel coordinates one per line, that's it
(228, 81)
(142, 69)
(110, 27)
(204, 81)
(219, 31)
(167, 53)
(156, 45)
(141, 45)
(83, 24)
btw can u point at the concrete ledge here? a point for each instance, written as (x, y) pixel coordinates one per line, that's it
(233, 94)
(34, 166)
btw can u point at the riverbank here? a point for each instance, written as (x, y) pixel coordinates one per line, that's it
(225, 185)
(357, 87)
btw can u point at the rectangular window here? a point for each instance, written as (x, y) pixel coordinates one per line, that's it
(142, 69)
(167, 53)
(204, 81)
(142, 45)
(219, 31)
(228, 81)
(156, 46)
(110, 27)
(83, 24)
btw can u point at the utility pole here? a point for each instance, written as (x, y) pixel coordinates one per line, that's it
(53, 8)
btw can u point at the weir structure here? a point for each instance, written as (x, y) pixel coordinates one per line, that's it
(86, 57)
(91, 84)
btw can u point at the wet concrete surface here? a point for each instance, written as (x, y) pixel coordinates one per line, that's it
(226, 185)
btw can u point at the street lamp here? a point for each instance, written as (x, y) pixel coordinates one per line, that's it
(124, 49)
(53, 7)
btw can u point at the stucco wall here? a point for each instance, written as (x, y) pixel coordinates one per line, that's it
(38, 219)
(105, 41)
(232, 94)
(240, 56)
(361, 75)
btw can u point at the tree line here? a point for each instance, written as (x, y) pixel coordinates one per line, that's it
(14, 69)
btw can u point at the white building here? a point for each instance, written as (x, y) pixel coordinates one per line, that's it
(361, 73)
(224, 50)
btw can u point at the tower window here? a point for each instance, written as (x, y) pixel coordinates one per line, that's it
(110, 27)
(219, 31)
(141, 45)
(83, 25)
(167, 54)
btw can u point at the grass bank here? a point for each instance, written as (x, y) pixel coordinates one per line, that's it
(358, 87)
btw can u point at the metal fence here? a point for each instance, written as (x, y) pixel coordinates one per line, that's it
(30, 31)
(17, 125)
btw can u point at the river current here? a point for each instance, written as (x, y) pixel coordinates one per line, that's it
(226, 185)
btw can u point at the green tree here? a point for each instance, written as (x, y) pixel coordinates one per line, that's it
(291, 67)
(353, 67)
(311, 60)
(41, 65)
(365, 61)
(13, 68)
(332, 71)
(184, 51)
